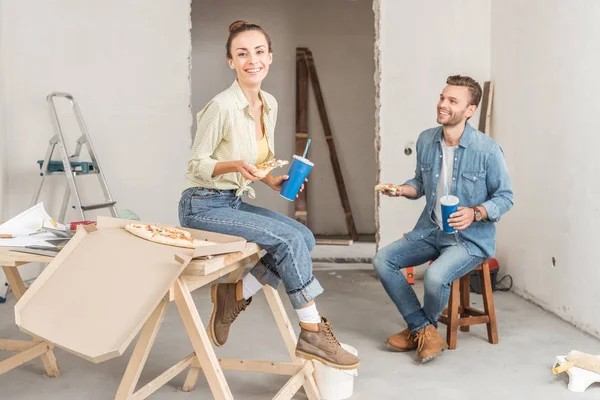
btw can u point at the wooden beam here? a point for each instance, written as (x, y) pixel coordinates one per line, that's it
(141, 352)
(23, 357)
(163, 378)
(337, 170)
(486, 107)
(265, 367)
(15, 345)
(300, 205)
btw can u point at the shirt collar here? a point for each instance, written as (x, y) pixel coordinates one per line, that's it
(242, 101)
(465, 139)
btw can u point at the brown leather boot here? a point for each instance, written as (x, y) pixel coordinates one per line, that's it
(403, 341)
(229, 303)
(316, 342)
(430, 344)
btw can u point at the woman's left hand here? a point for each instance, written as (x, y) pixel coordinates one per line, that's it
(276, 182)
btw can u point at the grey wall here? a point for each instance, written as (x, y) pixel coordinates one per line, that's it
(545, 62)
(127, 63)
(340, 34)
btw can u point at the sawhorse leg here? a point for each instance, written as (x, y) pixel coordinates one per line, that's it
(289, 338)
(39, 348)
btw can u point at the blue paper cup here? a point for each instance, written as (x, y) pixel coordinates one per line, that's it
(449, 206)
(298, 172)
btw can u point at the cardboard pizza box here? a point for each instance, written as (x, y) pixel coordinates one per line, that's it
(225, 243)
(97, 293)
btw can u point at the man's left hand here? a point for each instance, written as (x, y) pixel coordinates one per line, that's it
(462, 219)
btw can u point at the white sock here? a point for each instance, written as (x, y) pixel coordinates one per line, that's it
(251, 285)
(309, 315)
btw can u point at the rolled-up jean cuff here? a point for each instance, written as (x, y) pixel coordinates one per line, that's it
(265, 275)
(300, 298)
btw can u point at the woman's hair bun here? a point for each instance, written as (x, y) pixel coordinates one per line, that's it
(235, 25)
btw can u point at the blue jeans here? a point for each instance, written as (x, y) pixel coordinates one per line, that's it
(287, 242)
(452, 260)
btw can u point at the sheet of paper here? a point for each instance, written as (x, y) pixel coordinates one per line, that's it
(23, 225)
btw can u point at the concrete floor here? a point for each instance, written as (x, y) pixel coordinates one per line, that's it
(362, 315)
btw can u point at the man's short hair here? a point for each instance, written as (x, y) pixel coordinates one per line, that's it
(474, 88)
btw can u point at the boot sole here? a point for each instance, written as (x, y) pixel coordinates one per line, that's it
(398, 349)
(309, 357)
(211, 324)
(427, 359)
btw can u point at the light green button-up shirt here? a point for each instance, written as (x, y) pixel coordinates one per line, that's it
(227, 132)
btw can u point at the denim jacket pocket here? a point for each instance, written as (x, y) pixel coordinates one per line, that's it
(426, 177)
(474, 184)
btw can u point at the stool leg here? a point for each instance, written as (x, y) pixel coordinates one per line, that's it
(452, 327)
(465, 298)
(488, 303)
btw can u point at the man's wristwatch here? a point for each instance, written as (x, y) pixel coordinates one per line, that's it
(477, 216)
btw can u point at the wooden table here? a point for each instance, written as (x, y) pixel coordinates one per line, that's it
(26, 349)
(196, 275)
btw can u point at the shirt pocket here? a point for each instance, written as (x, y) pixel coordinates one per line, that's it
(426, 177)
(474, 184)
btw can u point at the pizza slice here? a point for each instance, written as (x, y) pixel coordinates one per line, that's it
(164, 235)
(387, 187)
(263, 169)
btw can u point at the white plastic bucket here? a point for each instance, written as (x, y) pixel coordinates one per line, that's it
(335, 384)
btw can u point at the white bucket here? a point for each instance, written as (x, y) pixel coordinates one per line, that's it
(335, 384)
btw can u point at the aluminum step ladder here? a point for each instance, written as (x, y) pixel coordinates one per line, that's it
(72, 166)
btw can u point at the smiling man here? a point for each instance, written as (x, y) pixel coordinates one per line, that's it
(470, 165)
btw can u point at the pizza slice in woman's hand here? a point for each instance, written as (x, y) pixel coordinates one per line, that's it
(263, 169)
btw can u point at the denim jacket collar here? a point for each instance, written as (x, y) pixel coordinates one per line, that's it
(465, 139)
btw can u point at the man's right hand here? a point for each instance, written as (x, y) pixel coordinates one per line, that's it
(247, 170)
(389, 193)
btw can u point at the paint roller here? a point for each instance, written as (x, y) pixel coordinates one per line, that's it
(580, 360)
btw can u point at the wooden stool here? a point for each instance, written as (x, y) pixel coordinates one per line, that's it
(470, 316)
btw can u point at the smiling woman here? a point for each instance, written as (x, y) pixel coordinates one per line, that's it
(235, 134)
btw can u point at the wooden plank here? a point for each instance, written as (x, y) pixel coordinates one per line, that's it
(337, 171)
(485, 113)
(18, 288)
(50, 363)
(204, 267)
(300, 204)
(310, 385)
(288, 390)
(141, 352)
(488, 302)
(452, 326)
(200, 342)
(282, 320)
(14, 280)
(163, 378)
(193, 375)
(196, 282)
(265, 367)
(465, 299)
(473, 320)
(16, 345)
(23, 357)
(334, 242)
(138, 270)
(13, 259)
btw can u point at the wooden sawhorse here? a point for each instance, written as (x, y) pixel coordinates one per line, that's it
(197, 274)
(26, 350)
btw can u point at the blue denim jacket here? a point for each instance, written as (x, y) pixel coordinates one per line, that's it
(479, 177)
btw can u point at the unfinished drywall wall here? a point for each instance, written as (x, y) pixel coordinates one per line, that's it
(340, 34)
(545, 63)
(3, 152)
(419, 46)
(127, 64)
